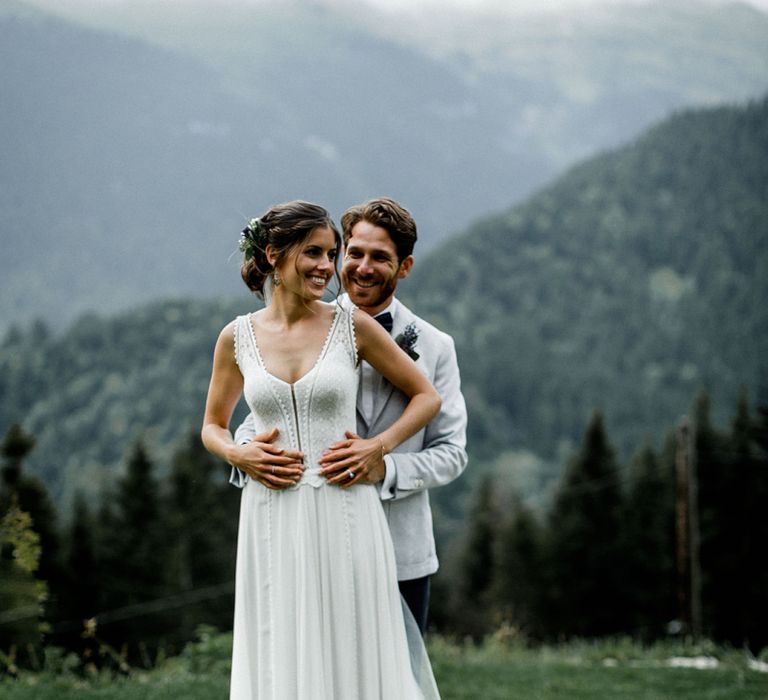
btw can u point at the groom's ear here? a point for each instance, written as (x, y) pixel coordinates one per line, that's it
(405, 267)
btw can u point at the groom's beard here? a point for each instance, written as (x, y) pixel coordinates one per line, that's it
(369, 296)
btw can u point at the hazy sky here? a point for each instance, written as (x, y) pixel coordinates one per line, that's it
(497, 5)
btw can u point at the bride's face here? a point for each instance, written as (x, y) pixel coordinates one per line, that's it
(308, 268)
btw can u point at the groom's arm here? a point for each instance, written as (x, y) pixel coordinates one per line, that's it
(443, 456)
(245, 432)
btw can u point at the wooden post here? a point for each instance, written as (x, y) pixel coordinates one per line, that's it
(682, 443)
(694, 535)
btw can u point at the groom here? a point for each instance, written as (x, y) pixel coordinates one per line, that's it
(379, 237)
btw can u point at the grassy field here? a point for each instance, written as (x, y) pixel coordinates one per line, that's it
(616, 670)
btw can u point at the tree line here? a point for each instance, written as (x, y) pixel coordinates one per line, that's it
(137, 570)
(602, 558)
(133, 572)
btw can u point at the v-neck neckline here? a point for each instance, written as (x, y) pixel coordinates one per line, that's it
(323, 349)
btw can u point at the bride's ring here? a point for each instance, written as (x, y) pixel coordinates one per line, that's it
(273, 469)
(350, 473)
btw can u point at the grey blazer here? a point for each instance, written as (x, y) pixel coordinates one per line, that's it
(434, 456)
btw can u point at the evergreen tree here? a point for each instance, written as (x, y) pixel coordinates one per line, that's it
(584, 563)
(649, 544)
(134, 559)
(715, 501)
(517, 584)
(80, 588)
(473, 613)
(203, 514)
(755, 488)
(734, 489)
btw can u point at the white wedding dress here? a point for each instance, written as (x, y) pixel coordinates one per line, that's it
(318, 614)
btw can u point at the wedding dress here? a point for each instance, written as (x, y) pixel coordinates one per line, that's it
(318, 614)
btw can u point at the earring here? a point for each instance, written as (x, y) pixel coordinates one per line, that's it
(276, 278)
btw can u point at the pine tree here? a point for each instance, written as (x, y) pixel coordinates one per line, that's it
(473, 607)
(517, 583)
(203, 511)
(755, 486)
(735, 568)
(715, 491)
(134, 552)
(584, 562)
(80, 587)
(649, 531)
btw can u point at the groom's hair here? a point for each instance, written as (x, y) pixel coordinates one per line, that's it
(394, 218)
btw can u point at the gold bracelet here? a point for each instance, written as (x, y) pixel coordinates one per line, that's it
(383, 451)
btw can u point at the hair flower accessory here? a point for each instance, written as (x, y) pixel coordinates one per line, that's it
(252, 238)
(407, 340)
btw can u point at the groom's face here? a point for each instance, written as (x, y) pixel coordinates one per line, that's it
(371, 269)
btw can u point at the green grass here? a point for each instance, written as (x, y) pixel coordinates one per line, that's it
(496, 670)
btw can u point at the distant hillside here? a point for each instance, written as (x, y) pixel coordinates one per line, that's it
(132, 151)
(631, 283)
(636, 280)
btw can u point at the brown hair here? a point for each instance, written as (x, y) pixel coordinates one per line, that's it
(395, 219)
(283, 226)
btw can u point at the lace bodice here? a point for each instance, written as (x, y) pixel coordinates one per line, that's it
(314, 411)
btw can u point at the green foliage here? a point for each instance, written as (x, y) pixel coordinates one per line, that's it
(16, 532)
(493, 670)
(89, 394)
(583, 548)
(630, 283)
(733, 491)
(601, 559)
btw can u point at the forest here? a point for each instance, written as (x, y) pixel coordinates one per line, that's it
(140, 567)
(587, 320)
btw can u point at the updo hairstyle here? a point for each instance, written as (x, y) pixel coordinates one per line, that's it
(284, 227)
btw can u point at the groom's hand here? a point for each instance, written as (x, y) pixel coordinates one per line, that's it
(270, 465)
(353, 461)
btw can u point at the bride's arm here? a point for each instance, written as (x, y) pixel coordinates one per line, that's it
(377, 348)
(272, 466)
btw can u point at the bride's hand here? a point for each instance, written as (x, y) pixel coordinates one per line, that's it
(353, 461)
(268, 464)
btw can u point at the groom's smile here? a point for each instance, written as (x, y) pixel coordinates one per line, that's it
(371, 267)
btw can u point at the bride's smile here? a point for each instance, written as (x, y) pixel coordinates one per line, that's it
(308, 270)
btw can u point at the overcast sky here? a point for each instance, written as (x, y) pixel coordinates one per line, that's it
(498, 5)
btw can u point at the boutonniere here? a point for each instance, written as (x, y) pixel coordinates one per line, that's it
(407, 340)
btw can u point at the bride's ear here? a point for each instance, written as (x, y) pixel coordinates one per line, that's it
(269, 253)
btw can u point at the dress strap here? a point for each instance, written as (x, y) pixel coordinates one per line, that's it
(243, 345)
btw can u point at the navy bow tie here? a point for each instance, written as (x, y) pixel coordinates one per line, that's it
(385, 320)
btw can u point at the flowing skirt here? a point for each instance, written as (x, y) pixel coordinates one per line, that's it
(318, 613)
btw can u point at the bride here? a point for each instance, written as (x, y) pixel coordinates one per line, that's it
(318, 613)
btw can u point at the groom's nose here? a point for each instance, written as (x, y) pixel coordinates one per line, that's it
(364, 265)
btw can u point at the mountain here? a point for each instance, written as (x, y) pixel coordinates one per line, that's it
(631, 283)
(134, 147)
(636, 280)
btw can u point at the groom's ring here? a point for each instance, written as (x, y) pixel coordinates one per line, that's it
(273, 469)
(350, 473)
